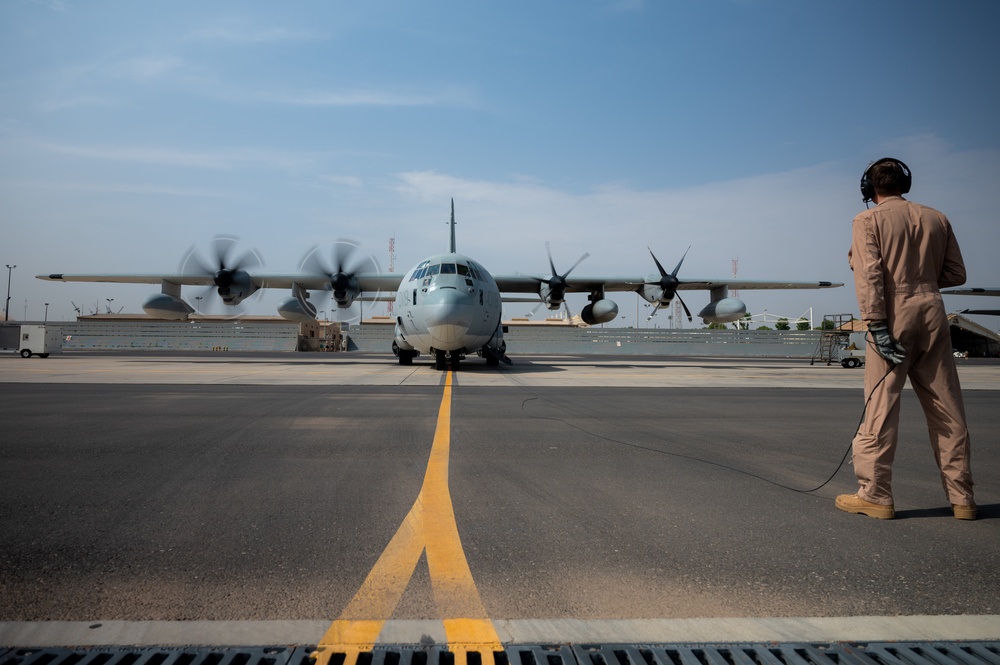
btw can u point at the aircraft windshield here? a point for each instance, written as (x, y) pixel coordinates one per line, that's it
(429, 270)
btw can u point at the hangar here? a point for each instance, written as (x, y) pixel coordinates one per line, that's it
(967, 336)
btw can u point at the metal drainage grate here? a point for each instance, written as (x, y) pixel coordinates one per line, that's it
(929, 653)
(156, 656)
(894, 653)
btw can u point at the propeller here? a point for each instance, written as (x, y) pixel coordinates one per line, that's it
(341, 271)
(226, 266)
(557, 283)
(669, 283)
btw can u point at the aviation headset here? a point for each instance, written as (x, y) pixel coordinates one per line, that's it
(868, 189)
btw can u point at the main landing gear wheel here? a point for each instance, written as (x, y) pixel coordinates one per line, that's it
(404, 356)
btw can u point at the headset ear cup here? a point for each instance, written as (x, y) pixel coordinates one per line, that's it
(866, 189)
(907, 176)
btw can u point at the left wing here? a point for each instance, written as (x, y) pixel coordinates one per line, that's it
(235, 285)
(975, 291)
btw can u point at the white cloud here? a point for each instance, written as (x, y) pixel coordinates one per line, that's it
(215, 160)
(112, 188)
(248, 35)
(55, 5)
(343, 181)
(147, 68)
(76, 102)
(369, 97)
(792, 225)
(628, 5)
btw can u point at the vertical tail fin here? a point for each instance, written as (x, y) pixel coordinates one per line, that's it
(453, 226)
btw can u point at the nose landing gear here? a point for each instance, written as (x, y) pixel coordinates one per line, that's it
(443, 361)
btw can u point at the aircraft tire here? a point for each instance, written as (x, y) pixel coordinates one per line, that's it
(439, 361)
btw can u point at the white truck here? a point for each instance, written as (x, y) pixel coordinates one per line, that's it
(40, 341)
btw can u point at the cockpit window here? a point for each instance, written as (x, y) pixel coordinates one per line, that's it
(427, 269)
(478, 271)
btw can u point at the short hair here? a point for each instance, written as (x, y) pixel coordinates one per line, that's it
(889, 178)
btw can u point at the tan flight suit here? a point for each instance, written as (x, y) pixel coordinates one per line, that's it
(902, 253)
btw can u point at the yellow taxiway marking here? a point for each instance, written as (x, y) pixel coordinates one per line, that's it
(429, 526)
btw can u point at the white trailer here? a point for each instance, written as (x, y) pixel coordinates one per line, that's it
(40, 341)
(853, 354)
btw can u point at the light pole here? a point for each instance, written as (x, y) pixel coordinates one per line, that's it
(110, 300)
(6, 307)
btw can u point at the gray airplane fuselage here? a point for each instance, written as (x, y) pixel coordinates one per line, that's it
(448, 303)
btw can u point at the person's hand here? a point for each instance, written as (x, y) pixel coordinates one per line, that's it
(885, 344)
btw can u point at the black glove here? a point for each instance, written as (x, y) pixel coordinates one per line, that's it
(885, 344)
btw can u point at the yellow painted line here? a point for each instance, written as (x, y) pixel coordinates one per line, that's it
(429, 527)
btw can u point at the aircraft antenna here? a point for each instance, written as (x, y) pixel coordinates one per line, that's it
(453, 226)
(392, 268)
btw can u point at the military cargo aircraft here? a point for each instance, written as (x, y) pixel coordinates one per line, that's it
(447, 306)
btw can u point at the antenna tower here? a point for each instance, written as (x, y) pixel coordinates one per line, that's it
(392, 268)
(735, 293)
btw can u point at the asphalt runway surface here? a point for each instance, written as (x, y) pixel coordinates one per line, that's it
(582, 489)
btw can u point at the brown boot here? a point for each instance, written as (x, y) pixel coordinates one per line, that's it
(964, 512)
(852, 503)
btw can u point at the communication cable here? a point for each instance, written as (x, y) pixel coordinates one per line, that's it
(723, 466)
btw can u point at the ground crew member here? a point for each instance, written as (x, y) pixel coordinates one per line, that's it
(902, 253)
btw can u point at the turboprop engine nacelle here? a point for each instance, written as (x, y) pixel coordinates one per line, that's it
(726, 310)
(296, 309)
(553, 301)
(345, 289)
(599, 311)
(234, 286)
(653, 293)
(168, 307)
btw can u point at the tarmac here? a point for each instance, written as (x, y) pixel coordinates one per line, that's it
(221, 499)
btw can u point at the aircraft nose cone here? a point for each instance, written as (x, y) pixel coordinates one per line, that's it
(449, 315)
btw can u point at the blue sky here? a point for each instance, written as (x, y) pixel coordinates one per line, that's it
(131, 131)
